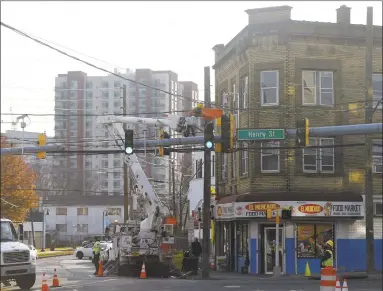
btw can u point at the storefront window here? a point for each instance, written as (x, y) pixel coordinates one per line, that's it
(312, 237)
(243, 235)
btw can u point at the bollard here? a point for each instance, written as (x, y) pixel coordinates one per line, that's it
(328, 279)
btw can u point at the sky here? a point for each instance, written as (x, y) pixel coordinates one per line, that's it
(177, 36)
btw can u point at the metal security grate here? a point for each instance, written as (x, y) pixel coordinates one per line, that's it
(16, 257)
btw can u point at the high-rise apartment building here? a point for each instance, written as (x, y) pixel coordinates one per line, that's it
(81, 98)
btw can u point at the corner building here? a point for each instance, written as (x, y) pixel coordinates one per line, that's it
(273, 72)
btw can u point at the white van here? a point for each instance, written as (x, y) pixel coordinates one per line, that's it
(17, 262)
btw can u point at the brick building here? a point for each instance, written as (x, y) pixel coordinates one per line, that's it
(273, 72)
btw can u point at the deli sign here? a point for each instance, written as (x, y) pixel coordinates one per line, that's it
(259, 209)
(310, 208)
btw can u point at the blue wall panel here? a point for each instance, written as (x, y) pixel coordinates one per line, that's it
(253, 256)
(352, 255)
(314, 265)
(290, 256)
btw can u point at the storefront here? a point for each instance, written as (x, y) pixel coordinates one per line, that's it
(245, 236)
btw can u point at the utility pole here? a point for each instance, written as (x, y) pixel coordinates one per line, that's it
(173, 191)
(206, 190)
(126, 173)
(368, 149)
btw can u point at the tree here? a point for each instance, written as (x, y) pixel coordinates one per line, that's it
(17, 186)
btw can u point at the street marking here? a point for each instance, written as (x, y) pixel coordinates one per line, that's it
(233, 286)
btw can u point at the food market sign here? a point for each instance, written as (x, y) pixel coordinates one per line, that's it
(299, 209)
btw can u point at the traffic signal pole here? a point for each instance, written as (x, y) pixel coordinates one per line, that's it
(326, 131)
(206, 190)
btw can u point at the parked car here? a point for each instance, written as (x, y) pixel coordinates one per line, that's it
(87, 250)
(33, 251)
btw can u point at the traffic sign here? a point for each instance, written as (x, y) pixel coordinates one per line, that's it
(260, 134)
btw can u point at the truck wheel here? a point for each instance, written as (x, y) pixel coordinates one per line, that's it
(26, 282)
(79, 255)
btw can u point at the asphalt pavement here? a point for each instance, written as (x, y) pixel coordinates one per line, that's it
(77, 275)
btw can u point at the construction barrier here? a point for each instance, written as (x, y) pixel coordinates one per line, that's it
(55, 281)
(143, 272)
(44, 285)
(328, 279)
(100, 272)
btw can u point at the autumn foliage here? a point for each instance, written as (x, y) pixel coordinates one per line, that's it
(17, 186)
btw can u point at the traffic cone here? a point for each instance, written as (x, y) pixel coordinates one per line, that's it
(55, 282)
(44, 285)
(337, 286)
(307, 270)
(345, 287)
(100, 270)
(143, 272)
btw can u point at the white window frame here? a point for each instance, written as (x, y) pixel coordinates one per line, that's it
(245, 97)
(262, 88)
(244, 166)
(375, 97)
(265, 144)
(375, 212)
(318, 155)
(318, 89)
(377, 159)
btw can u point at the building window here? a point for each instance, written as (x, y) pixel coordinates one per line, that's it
(104, 164)
(320, 160)
(88, 164)
(89, 94)
(114, 211)
(82, 211)
(116, 163)
(61, 227)
(317, 88)
(89, 85)
(270, 158)
(198, 170)
(377, 90)
(244, 159)
(117, 94)
(82, 228)
(378, 209)
(105, 85)
(116, 184)
(61, 211)
(244, 92)
(116, 175)
(105, 94)
(269, 88)
(377, 156)
(117, 84)
(311, 237)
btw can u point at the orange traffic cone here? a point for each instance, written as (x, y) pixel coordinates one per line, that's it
(44, 285)
(337, 286)
(100, 272)
(143, 272)
(345, 287)
(55, 282)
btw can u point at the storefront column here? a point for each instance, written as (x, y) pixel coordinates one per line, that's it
(253, 247)
(289, 251)
(235, 247)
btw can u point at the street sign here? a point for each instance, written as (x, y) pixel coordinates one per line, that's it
(260, 134)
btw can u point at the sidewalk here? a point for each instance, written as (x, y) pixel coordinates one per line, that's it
(214, 275)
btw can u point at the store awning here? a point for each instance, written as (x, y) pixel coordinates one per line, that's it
(340, 196)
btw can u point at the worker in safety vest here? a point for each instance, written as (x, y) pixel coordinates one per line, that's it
(96, 254)
(327, 259)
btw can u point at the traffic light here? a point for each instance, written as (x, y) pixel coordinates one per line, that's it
(129, 137)
(41, 141)
(209, 136)
(302, 133)
(163, 151)
(286, 214)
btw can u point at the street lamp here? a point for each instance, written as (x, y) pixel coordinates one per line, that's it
(104, 213)
(44, 218)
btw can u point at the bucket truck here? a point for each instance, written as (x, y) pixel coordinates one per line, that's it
(136, 242)
(133, 242)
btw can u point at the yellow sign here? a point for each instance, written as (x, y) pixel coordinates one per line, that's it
(261, 206)
(212, 191)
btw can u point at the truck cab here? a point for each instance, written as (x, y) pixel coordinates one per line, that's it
(17, 262)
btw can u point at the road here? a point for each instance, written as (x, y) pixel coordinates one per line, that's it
(77, 275)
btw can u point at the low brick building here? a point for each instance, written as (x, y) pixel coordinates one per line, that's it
(272, 73)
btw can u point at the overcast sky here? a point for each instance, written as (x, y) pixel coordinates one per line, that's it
(176, 36)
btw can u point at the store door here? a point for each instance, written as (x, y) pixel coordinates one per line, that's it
(269, 254)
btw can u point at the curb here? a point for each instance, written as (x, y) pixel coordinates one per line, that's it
(57, 255)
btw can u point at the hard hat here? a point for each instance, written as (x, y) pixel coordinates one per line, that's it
(330, 243)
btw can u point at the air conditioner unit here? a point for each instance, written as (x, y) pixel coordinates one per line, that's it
(378, 209)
